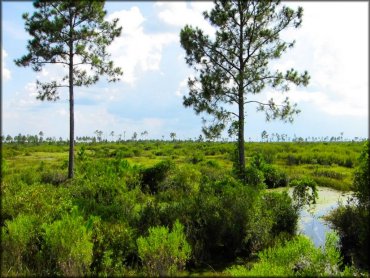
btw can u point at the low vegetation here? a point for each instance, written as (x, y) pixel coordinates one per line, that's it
(161, 208)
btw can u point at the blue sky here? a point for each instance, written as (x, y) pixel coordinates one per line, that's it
(332, 45)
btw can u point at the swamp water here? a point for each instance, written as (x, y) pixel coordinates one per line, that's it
(310, 220)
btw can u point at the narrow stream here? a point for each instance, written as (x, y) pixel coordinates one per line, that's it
(310, 221)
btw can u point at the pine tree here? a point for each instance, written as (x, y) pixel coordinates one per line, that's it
(235, 65)
(73, 34)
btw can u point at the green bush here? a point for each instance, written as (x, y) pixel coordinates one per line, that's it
(361, 180)
(54, 177)
(352, 224)
(186, 179)
(297, 257)
(222, 219)
(211, 171)
(284, 214)
(44, 200)
(68, 244)
(153, 176)
(253, 176)
(164, 253)
(352, 220)
(196, 158)
(18, 244)
(304, 192)
(274, 177)
(114, 248)
(30, 176)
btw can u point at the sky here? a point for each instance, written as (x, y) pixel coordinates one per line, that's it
(332, 45)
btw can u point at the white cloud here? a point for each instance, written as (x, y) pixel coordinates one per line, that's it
(181, 89)
(135, 50)
(43, 73)
(26, 98)
(100, 95)
(345, 106)
(334, 50)
(179, 14)
(6, 75)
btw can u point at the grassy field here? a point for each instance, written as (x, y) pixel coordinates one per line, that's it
(329, 164)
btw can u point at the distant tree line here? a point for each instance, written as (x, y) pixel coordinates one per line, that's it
(101, 138)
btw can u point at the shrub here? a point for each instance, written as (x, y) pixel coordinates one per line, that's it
(353, 226)
(292, 160)
(274, 177)
(17, 244)
(30, 176)
(44, 200)
(258, 161)
(297, 257)
(211, 170)
(304, 192)
(284, 214)
(361, 180)
(164, 253)
(153, 176)
(68, 244)
(185, 179)
(253, 176)
(53, 177)
(257, 230)
(222, 219)
(114, 248)
(196, 158)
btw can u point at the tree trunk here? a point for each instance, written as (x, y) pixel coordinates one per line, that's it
(241, 152)
(241, 98)
(71, 107)
(71, 124)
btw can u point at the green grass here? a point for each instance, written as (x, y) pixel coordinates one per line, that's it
(329, 164)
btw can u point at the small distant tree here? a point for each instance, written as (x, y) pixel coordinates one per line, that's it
(112, 135)
(173, 136)
(264, 135)
(234, 66)
(134, 136)
(41, 134)
(144, 134)
(71, 34)
(99, 135)
(9, 139)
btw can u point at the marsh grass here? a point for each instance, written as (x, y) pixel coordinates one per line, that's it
(121, 190)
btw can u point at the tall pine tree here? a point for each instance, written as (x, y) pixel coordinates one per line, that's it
(234, 66)
(73, 34)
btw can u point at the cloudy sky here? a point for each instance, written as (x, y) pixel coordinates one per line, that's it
(332, 44)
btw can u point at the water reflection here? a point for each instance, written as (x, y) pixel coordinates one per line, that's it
(311, 222)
